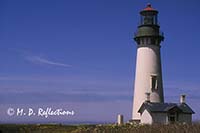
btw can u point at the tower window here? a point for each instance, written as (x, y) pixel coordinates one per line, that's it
(148, 20)
(154, 82)
(149, 40)
(145, 40)
(153, 41)
(156, 42)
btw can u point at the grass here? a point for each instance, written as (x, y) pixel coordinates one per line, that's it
(156, 128)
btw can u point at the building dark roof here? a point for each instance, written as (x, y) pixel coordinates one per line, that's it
(165, 107)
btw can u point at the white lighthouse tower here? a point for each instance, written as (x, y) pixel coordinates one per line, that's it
(148, 75)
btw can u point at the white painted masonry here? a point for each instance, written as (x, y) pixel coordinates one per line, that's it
(148, 64)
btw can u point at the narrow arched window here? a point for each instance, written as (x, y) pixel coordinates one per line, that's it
(154, 82)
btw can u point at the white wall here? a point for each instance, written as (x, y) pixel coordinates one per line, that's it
(159, 117)
(146, 118)
(148, 63)
(185, 118)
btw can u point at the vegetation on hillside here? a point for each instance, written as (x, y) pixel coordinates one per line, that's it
(172, 128)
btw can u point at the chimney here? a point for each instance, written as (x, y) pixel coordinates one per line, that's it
(182, 98)
(147, 97)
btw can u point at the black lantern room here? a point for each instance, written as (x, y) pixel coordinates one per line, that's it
(148, 32)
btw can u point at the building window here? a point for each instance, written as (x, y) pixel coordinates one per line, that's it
(154, 82)
(172, 117)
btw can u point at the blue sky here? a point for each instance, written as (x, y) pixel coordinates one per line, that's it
(80, 55)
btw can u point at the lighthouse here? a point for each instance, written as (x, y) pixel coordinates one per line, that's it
(148, 74)
(148, 102)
